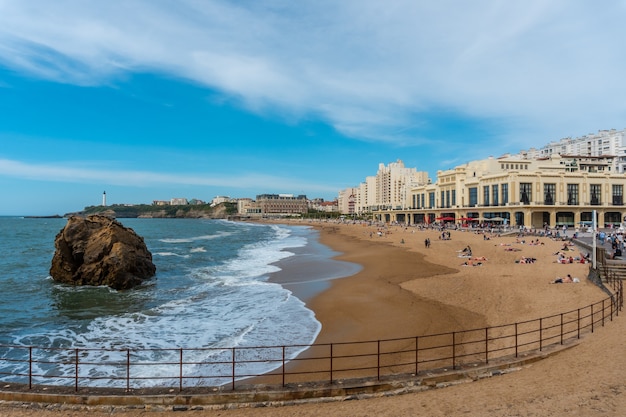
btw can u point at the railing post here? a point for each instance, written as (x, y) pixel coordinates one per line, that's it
(578, 323)
(127, 370)
(540, 334)
(561, 328)
(592, 319)
(30, 367)
(76, 370)
(378, 361)
(486, 345)
(233, 369)
(283, 366)
(331, 363)
(516, 341)
(417, 355)
(180, 371)
(453, 350)
(612, 307)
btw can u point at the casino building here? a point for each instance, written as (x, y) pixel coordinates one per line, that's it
(555, 190)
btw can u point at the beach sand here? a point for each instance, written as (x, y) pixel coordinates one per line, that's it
(405, 289)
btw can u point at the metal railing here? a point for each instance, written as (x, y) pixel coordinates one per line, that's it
(327, 363)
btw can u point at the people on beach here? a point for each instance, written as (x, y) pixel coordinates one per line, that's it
(617, 253)
(565, 280)
(525, 260)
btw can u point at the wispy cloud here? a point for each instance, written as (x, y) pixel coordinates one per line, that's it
(369, 68)
(76, 173)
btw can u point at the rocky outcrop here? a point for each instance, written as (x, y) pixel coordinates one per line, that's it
(98, 250)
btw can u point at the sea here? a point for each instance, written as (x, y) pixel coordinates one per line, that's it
(213, 288)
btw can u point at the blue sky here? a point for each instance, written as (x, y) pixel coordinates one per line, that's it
(155, 99)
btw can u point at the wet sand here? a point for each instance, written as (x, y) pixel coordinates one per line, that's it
(405, 289)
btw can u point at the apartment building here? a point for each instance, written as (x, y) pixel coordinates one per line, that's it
(605, 143)
(389, 189)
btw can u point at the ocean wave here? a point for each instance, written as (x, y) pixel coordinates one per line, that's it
(171, 254)
(192, 239)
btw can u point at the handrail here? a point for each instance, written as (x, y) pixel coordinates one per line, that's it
(219, 368)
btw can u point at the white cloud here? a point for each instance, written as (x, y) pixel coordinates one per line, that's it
(77, 173)
(369, 68)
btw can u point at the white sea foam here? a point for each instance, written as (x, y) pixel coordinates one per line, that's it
(195, 238)
(170, 254)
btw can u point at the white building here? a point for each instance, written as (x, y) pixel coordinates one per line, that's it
(346, 200)
(394, 182)
(604, 144)
(220, 199)
(389, 189)
(178, 202)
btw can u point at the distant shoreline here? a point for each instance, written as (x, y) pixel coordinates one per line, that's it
(54, 216)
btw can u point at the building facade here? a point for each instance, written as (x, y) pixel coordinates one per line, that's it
(517, 191)
(346, 201)
(282, 204)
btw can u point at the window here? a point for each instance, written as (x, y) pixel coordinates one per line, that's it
(618, 194)
(549, 191)
(486, 195)
(494, 193)
(447, 198)
(525, 192)
(572, 194)
(454, 197)
(505, 194)
(442, 201)
(596, 194)
(473, 196)
(431, 200)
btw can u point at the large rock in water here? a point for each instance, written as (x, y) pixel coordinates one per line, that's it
(98, 250)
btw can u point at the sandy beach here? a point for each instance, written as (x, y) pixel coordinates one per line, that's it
(407, 289)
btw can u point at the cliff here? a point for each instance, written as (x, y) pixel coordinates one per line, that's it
(204, 211)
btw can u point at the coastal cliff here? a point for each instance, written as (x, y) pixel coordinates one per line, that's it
(203, 211)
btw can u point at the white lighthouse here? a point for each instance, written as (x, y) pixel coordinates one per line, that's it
(104, 198)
